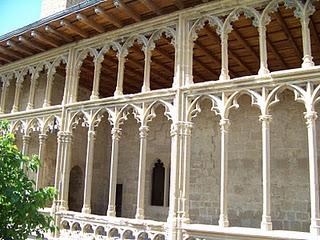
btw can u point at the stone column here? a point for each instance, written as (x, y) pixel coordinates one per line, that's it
(25, 144)
(66, 171)
(25, 147)
(42, 153)
(15, 107)
(57, 180)
(47, 96)
(266, 223)
(120, 76)
(116, 133)
(88, 176)
(307, 56)
(175, 190)
(313, 171)
(33, 85)
(224, 57)
(147, 67)
(263, 51)
(96, 79)
(223, 219)
(186, 171)
(5, 85)
(142, 171)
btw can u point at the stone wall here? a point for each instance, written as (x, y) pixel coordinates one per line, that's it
(289, 167)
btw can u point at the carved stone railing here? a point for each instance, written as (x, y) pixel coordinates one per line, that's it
(80, 226)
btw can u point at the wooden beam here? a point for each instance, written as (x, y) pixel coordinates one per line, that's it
(73, 28)
(245, 44)
(30, 44)
(206, 67)
(179, 4)
(156, 62)
(276, 53)
(196, 60)
(109, 17)
(130, 12)
(44, 39)
(231, 53)
(210, 55)
(58, 34)
(152, 6)
(18, 48)
(290, 38)
(314, 33)
(10, 53)
(5, 59)
(90, 23)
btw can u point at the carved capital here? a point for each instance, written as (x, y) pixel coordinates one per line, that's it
(91, 135)
(68, 137)
(116, 133)
(143, 131)
(188, 128)
(42, 138)
(224, 124)
(310, 118)
(265, 118)
(26, 139)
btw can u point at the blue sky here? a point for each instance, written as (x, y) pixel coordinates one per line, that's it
(18, 13)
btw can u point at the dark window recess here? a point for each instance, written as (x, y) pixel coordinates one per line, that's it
(158, 173)
(118, 200)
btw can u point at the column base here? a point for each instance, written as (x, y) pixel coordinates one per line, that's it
(266, 224)
(118, 93)
(29, 107)
(46, 105)
(315, 227)
(63, 206)
(307, 62)
(140, 214)
(224, 77)
(94, 97)
(223, 221)
(145, 89)
(263, 71)
(86, 210)
(111, 213)
(186, 220)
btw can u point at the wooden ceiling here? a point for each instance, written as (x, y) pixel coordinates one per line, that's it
(284, 44)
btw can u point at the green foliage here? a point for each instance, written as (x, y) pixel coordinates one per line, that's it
(19, 201)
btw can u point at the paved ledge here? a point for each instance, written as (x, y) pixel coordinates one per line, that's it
(236, 233)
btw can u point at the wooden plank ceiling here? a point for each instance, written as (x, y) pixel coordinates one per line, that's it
(284, 43)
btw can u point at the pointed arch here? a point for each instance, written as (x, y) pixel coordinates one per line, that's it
(213, 21)
(76, 117)
(248, 12)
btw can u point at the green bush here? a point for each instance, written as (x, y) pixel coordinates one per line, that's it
(19, 201)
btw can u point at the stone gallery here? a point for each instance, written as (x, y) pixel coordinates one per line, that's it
(171, 119)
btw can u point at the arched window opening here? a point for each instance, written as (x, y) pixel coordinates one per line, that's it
(206, 55)
(133, 70)
(86, 79)
(108, 76)
(162, 64)
(40, 88)
(243, 48)
(284, 43)
(158, 184)
(75, 199)
(314, 32)
(10, 95)
(24, 95)
(58, 86)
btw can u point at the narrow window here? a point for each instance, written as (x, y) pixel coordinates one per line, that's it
(158, 177)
